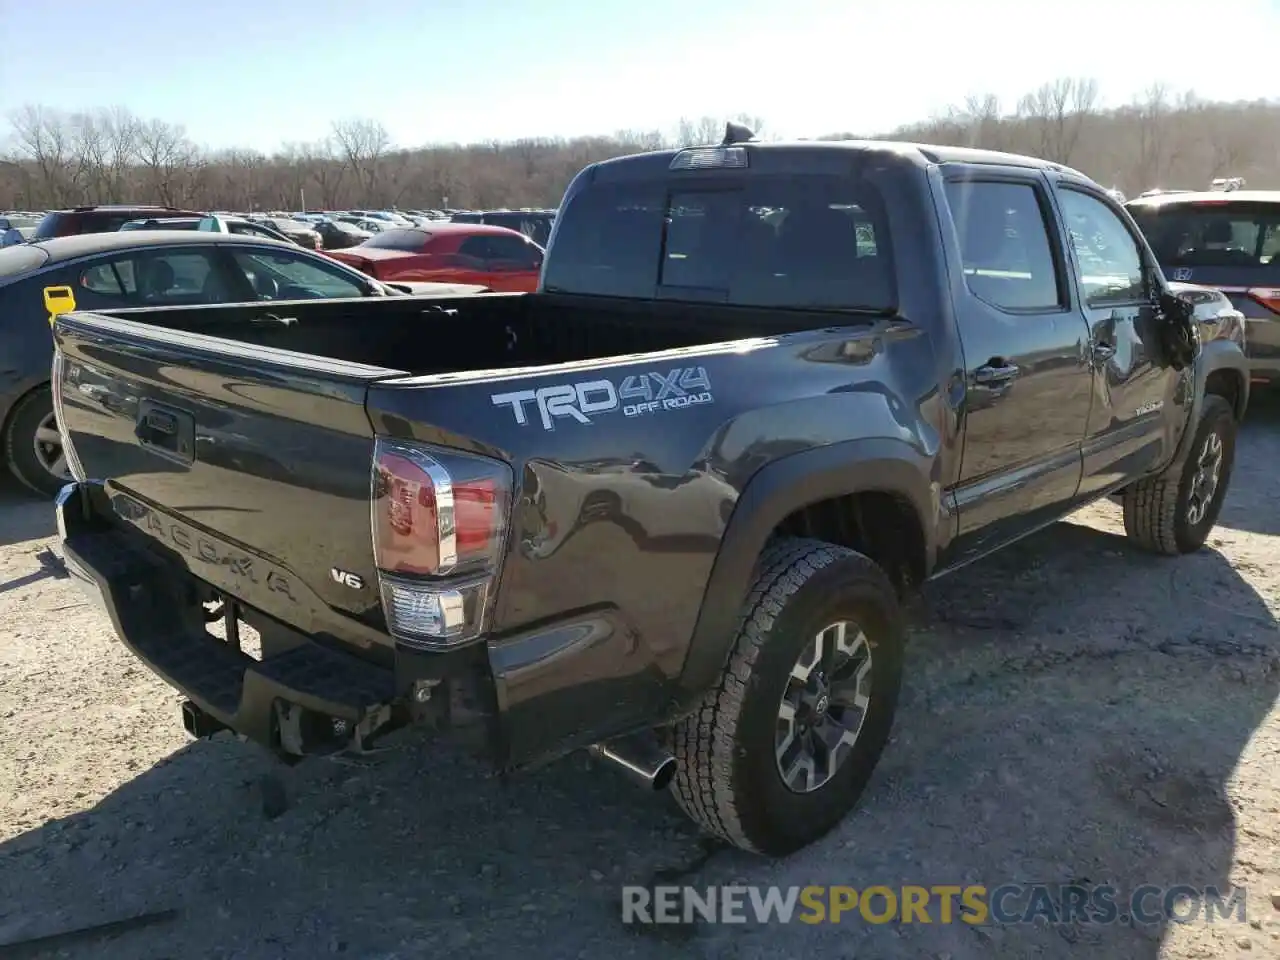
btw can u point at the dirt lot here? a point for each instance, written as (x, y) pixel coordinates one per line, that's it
(1073, 711)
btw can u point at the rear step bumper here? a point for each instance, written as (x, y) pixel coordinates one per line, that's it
(263, 700)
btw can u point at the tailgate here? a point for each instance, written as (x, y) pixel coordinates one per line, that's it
(250, 465)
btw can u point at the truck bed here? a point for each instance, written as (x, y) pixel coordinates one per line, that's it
(434, 335)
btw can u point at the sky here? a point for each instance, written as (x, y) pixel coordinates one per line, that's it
(259, 73)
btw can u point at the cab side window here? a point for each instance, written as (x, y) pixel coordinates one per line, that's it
(1004, 245)
(1108, 260)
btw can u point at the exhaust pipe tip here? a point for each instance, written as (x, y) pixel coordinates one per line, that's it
(640, 759)
(665, 774)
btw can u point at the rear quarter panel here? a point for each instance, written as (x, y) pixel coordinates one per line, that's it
(621, 506)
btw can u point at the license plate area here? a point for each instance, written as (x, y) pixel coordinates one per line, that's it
(224, 624)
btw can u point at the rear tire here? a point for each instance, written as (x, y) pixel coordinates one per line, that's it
(1174, 512)
(730, 758)
(29, 459)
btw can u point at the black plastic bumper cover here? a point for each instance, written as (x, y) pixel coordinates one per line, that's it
(155, 619)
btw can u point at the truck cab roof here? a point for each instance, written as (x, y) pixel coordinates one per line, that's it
(809, 155)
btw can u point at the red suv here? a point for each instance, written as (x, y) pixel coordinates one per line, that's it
(104, 218)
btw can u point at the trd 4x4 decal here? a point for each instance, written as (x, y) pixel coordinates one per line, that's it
(636, 395)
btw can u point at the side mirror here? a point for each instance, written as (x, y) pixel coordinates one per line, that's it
(1178, 330)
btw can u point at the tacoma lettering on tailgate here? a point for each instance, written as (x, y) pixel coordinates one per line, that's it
(201, 547)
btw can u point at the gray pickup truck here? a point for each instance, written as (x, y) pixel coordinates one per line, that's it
(665, 507)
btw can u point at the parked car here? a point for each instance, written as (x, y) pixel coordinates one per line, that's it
(210, 224)
(101, 218)
(337, 234)
(303, 234)
(502, 260)
(369, 225)
(24, 226)
(846, 369)
(385, 216)
(1228, 240)
(137, 269)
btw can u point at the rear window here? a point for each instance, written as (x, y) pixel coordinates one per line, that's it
(410, 241)
(48, 226)
(1212, 233)
(817, 242)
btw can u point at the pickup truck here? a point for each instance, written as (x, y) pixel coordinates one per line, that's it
(666, 507)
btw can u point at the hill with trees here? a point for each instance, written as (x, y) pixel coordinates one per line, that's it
(1163, 138)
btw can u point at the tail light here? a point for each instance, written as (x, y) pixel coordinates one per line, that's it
(1269, 297)
(439, 522)
(68, 449)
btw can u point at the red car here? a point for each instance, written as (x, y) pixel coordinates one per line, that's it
(503, 260)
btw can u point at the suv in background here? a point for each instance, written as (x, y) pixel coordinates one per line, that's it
(102, 218)
(1228, 239)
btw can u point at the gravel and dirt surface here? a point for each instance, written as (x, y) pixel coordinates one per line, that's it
(1073, 711)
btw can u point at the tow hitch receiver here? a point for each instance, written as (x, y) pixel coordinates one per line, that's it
(198, 723)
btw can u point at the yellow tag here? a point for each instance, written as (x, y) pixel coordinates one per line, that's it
(58, 300)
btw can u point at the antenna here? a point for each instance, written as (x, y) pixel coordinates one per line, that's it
(736, 133)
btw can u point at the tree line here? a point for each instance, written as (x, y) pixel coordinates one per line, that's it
(52, 158)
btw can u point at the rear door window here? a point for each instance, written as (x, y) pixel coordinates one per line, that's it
(1004, 245)
(817, 242)
(171, 277)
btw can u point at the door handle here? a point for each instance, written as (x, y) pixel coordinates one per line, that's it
(1102, 350)
(995, 372)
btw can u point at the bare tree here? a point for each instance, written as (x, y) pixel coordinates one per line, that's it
(642, 139)
(50, 158)
(105, 145)
(362, 144)
(116, 151)
(1151, 112)
(323, 168)
(699, 132)
(980, 118)
(43, 137)
(168, 159)
(1057, 112)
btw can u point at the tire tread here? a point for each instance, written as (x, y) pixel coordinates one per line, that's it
(703, 742)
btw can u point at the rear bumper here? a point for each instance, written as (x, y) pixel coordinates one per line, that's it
(157, 614)
(1262, 340)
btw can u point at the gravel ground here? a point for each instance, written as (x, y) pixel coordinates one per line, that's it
(1074, 711)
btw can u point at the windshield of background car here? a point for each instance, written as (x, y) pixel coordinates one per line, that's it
(408, 240)
(1212, 233)
(299, 278)
(812, 242)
